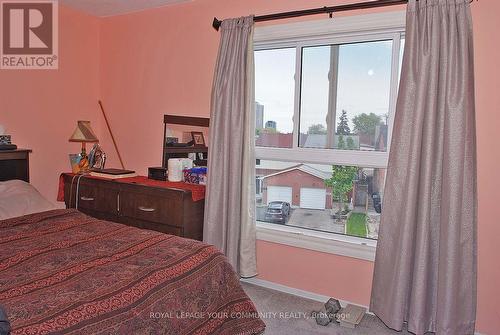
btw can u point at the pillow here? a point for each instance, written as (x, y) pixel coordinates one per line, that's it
(18, 198)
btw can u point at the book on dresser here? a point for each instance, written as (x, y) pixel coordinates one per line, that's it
(154, 207)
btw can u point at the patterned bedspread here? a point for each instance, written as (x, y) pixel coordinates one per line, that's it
(64, 272)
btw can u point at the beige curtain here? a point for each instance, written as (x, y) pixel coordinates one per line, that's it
(230, 202)
(425, 267)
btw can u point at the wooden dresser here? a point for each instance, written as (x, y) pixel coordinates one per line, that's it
(161, 209)
(14, 164)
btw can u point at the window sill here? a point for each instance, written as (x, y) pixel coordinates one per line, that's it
(336, 244)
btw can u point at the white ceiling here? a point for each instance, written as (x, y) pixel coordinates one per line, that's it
(116, 7)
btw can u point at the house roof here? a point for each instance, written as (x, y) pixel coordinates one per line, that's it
(304, 168)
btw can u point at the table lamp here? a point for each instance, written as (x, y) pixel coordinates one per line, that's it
(83, 134)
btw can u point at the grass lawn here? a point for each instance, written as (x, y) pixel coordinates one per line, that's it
(356, 225)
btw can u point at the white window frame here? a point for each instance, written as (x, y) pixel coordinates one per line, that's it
(349, 29)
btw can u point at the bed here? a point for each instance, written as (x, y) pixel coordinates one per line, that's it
(64, 272)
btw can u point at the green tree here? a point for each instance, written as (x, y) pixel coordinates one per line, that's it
(341, 183)
(350, 143)
(317, 129)
(341, 142)
(343, 125)
(366, 123)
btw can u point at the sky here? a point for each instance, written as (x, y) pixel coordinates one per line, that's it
(363, 82)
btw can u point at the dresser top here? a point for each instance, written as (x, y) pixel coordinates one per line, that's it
(16, 150)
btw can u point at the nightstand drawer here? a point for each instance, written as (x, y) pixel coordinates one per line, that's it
(151, 206)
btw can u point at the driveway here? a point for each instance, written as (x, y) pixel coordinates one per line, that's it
(316, 219)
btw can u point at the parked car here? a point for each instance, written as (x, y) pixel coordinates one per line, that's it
(278, 211)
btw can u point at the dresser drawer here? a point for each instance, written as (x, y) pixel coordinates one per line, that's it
(159, 206)
(97, 197)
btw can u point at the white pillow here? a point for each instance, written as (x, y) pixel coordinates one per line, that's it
(18, 198)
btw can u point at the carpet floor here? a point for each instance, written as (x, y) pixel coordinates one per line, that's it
(287, 314)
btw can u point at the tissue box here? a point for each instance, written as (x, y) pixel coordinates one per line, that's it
(5, 139)
(196, 176)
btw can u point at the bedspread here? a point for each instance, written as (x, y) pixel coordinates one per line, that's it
(62, 271)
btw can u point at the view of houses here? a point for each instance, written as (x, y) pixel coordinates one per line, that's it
(345, 200)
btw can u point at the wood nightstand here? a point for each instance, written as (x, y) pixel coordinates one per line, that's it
(14, 164)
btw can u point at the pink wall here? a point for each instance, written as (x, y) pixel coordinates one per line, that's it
(335, 276)
(40, 107)
(161, 61)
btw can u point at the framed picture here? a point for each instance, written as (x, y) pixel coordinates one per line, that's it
(199, 140)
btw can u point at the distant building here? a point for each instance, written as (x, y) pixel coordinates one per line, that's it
(278, 140)
(259, 116)
(271, 124)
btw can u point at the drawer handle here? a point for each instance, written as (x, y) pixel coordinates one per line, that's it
(146, 209)
(86, 199)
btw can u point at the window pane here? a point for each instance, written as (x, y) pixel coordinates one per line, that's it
(320, 197)
(401, 54)
(345, 96)
(274, 96)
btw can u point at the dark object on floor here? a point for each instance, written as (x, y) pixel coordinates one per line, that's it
(8, 147)
(4, 323)
(322, 317)
(332, 306)
(157, 173)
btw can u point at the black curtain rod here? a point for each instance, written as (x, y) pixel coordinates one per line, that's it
(322, 10)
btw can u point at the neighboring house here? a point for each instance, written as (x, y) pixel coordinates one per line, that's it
(301, 185)
(277, 140)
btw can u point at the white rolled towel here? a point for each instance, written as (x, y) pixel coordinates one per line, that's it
(175, 168)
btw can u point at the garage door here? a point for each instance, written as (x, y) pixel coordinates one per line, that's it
(312, 198)
(279, 193)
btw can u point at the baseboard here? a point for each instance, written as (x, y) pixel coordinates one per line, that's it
(295, 291)
(301, 293)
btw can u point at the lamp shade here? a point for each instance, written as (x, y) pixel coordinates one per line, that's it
(83, 133)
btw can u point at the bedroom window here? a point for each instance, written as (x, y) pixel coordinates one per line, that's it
(324, 114)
